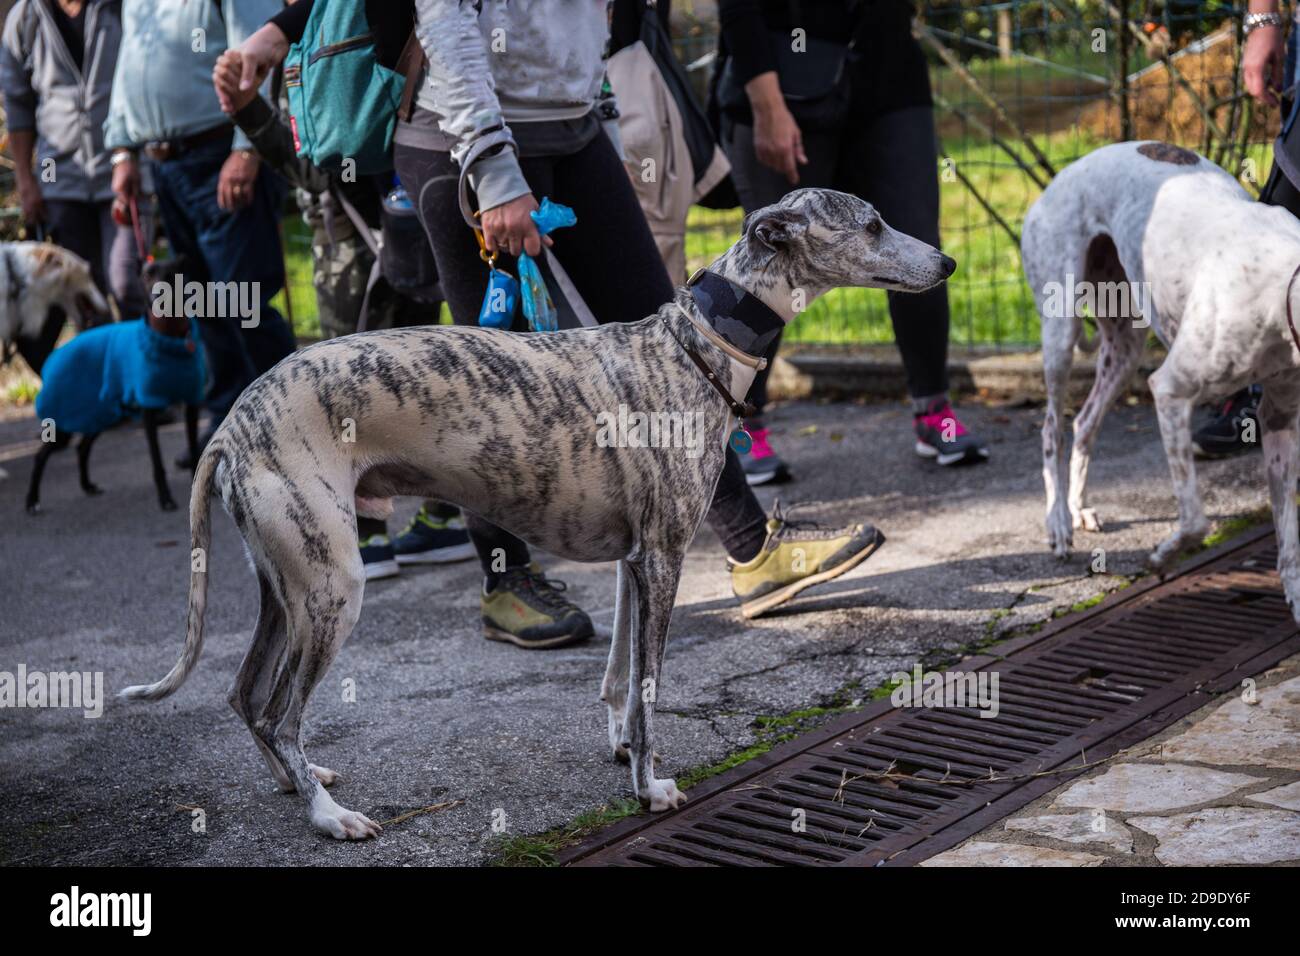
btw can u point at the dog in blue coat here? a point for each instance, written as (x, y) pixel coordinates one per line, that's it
(114, 372)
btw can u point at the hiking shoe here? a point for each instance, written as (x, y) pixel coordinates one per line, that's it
(797, 555)
(529, 610)
(761, 464)
(939, 435)
(378, 558)
(1235, 429)
(429, 539)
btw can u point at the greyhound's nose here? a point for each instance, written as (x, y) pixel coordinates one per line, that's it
(947, 264)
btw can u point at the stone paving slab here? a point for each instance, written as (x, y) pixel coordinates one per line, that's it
(1182, 798)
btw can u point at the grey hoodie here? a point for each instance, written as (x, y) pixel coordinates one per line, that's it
(493, 63)
(66, 107)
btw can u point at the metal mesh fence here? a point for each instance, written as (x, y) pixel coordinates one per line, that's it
(1021, 88)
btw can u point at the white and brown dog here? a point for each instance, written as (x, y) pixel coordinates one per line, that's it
(504, 425)
(1183, 251)
(35, 276)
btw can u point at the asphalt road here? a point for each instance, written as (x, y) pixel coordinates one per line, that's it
(519, 737)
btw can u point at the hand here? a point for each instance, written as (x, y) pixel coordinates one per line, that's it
(510, 228)
(1262, 64)
(258, 55)
(236, 182)
(31, 200)
(777, 140)
(126, 180)
(226, 77)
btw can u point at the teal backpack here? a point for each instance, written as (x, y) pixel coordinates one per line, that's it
(343, 104)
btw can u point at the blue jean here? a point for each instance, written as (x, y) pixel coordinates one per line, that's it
(219, 246)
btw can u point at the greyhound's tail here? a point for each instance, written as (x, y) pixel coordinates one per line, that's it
(200, 538)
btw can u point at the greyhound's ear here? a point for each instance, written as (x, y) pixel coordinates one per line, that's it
(768, 231)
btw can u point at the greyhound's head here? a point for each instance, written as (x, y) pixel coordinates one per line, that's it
(59, 277)
(815, 240)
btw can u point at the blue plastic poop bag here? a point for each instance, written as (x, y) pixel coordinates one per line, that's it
(539, 308)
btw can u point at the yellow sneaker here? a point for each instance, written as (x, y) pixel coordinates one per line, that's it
(529, 610)
(798, 555)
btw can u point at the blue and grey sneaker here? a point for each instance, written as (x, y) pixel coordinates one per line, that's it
(939, 435)
(429, 539)
(378, 558)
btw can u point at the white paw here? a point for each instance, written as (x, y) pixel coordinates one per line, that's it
(325, 775)
(341, 823)
(1086, 518)
(1060, 534)
(347, 825)
(662, 795)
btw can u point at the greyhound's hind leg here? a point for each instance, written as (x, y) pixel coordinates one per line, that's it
(1117, 360)
(1122, 339)
(322, 602)
(60, 442)
(251, 691)
(1281, 441)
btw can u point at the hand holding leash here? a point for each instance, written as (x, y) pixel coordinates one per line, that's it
(509, 227)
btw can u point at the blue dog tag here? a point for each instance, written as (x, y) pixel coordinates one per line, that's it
(740, 441)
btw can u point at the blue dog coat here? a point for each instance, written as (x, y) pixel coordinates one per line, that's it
(111, 372)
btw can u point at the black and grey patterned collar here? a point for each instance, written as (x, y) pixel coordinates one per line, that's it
(738, 316)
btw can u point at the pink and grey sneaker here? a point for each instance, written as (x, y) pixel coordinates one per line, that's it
(939, 435)
(762, 465)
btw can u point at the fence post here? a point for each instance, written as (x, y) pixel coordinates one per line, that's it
(1121, 75)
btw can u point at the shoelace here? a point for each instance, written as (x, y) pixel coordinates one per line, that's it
(936, 419)
(793, 524)
(548, 591)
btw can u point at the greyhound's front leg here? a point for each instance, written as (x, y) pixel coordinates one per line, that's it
(1174, 409)
(165, 500)
(656, 577)
(1281, 441)
(613, 689)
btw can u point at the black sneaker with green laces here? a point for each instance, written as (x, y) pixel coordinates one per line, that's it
(433, 537)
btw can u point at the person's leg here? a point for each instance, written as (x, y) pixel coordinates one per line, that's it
(228, 365)
(892, 163)
(122, 262)
(431, 180)
(75, 226)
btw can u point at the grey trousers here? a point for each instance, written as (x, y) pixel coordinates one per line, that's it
(892, 163)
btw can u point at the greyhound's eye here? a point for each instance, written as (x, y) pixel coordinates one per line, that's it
(873, 227)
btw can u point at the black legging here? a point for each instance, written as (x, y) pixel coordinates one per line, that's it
(611, 257)
(890, 161)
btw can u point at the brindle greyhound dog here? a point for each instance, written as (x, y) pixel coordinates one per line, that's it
(504, 425)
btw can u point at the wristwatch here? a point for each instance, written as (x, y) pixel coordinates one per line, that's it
(1253, 21)
(120, 156)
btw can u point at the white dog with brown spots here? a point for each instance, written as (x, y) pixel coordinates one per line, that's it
(1156, 238)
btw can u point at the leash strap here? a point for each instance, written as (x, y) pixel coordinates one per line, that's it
(741, 410)
(1289, 320)
(138, 230)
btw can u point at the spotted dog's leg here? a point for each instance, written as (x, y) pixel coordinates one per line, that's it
(1117, 360)
(613, 689)
(1174, 390)
(656, 575)
(1281, 440)
(1058, 348)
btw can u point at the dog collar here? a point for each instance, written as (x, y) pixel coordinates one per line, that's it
(738, 316)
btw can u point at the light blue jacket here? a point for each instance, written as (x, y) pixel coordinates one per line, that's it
(163, 87)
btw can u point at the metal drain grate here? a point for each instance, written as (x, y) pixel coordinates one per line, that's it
(1090, 685)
